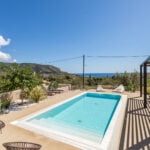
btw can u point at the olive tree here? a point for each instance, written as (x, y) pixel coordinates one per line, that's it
(16, 77)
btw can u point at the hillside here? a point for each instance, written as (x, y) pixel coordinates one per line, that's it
(45, 70)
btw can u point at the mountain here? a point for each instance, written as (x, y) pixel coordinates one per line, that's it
(45, 70)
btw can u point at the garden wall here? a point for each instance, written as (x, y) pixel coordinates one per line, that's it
(14, 95)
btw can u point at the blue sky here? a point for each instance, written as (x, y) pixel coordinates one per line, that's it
(45, 30)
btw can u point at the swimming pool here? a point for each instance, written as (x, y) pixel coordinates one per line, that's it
(82, 121)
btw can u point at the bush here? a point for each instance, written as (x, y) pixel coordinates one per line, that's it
(148, 90)
(54, 85)
(125, 79)
(132, 87)
(37, 94)
(5, 104)
(129, 87)
(5, 100)
(148, 82)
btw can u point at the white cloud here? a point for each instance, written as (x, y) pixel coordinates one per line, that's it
(4, 42)
(4, 56)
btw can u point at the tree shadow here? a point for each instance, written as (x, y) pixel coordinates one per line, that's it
(136, 127)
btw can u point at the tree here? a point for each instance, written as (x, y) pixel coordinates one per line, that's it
(135, 77)
(125, 79)
(17, 77)
(89, 80)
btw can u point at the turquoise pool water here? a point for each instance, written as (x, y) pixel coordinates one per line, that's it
(86, 116)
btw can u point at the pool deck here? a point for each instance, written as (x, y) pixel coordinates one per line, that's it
(135, 133)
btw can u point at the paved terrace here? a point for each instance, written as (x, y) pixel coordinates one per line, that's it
(135, 134)
(136, 129)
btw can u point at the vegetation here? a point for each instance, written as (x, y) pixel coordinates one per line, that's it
(148, 82)
(37, 94)
(129, 80)
(26, 77)
(148, 90)
(74, 80)
(44, 70)
(5, 104)
(54, 85)
(5, 101)
(17, 77)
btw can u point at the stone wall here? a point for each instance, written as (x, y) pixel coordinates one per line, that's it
(65, 87)
(13, 95)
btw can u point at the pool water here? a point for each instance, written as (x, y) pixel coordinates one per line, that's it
(86, 116)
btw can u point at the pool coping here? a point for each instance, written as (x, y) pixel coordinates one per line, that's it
(110, 140)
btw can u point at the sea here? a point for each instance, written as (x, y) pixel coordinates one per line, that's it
(97, 74)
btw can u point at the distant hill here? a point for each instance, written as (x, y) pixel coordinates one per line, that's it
(45, 70)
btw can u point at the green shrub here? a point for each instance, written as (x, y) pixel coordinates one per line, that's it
(5, 104)
(148, 90)
(148, 82)
(129, 87)
(5, 100)
(54, 85)
(132, 87)
(37, 94)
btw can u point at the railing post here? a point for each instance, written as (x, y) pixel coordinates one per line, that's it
(145, 86)
(141, 81)
(83, 70)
